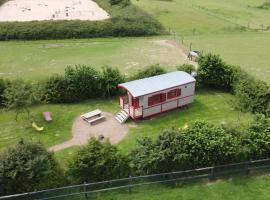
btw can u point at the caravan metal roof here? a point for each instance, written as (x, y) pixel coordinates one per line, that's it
(157, 83)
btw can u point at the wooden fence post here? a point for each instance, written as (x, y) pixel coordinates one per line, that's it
(84, 190)
(129, 184)
(212, 174)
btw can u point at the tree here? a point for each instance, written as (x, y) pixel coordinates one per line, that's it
(27, 166)
(213, 72)
(252, 95)
(83, 82)
(152, 70)
(19, 96)
(186, 68)
(97, 162)
(257, 139)
(110, 78)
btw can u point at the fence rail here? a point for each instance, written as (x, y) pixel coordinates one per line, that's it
(83, 190)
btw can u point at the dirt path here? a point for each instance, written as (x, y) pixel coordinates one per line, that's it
(183, 50)
(82, 132)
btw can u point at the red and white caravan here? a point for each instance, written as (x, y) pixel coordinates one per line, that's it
(150, 96)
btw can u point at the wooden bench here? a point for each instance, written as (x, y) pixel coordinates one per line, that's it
(92, 121)
(92, 117)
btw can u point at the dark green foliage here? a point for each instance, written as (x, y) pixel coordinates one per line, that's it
(120, 2)
(186, 68)
(56, 90)
(19, 96)
(257, 139)
(252, 95)
(152, 70)
(110, 78)
(202, 144)
(3, 86)
(97, 162)
(82, 82)
(28, 166)
(214, 73)
(125, 20)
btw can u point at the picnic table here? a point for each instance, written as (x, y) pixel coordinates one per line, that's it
(93, 116)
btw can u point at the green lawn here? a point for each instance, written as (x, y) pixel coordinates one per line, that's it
(236, 188)
(248, 50)
(211, 26)
(215, 107)
(34, 60)
(57, 131)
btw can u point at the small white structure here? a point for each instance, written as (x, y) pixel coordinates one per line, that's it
(154, 95)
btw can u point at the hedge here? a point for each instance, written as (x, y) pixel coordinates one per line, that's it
(202, 144)
(124, 21)
(252, 95)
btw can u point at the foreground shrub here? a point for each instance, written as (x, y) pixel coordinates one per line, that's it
(28, 166)
(186, 68)
(252, 95)
(214, 73)
(97, 162)
(257, 139)
(152, 70)
(200, 145)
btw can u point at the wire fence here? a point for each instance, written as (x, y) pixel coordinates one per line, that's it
(83, 191)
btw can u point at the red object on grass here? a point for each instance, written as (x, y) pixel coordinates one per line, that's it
(47, 116)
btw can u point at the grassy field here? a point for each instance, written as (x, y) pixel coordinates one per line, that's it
(57, 131)
(244, 188)
(64, 114)
(34, 60)
(248, 50)
(214, 26)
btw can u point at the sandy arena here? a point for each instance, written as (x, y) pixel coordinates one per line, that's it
(32, 10)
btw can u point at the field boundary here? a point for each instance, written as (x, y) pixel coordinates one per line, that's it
(83, 190)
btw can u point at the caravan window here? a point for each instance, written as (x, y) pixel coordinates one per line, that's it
(174, 93)
(157, 98)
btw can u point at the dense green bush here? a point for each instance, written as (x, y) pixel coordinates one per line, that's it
(214, 73)
(186, 68)
(257, 139)
(27, 166)
(82, 82)
(202, 144)
(152, 70)
(252, 95)
(97, 162)
(3, 86)
(56, 90)
(124, 21)
(110, 78)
